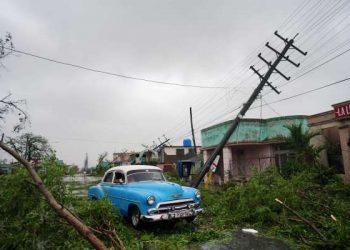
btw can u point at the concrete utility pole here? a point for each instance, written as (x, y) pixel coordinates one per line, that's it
(193, 139)
(263, 81)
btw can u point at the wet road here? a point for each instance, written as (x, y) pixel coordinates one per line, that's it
(80, 183)
(244, 241)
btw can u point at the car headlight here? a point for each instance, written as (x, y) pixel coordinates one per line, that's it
(150, 200)
(198, 195)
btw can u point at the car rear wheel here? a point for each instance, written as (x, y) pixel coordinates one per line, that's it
(135, 217)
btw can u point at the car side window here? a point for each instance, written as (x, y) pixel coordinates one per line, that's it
(108, 177)
(119, 178)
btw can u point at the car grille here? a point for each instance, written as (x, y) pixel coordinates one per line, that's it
(176, 205)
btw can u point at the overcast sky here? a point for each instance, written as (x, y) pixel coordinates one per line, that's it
(206, 43)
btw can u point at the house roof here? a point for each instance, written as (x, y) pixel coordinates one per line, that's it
(252, 130)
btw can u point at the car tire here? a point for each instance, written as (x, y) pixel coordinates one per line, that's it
(135, 217)
(168, 225)
(190, 219)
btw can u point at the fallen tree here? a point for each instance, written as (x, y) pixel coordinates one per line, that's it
(64, 213)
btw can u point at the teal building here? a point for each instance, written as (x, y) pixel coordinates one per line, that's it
(256, 143)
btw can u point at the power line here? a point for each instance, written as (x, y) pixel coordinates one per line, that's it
(316, 18)
(248, 61)
(266, 104)
(115, 74)
(316, 67)
(92, 140)
(308, 70)
(306, 92)
(273, 110)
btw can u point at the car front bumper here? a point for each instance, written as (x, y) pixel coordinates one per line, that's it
(172, 215)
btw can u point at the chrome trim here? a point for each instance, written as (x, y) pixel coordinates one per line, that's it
(173, 202)
(170, 215)
(193, 205)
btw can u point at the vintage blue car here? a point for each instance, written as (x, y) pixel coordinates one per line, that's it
(142, 194)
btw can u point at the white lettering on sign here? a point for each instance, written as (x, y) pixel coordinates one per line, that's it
(342, 111)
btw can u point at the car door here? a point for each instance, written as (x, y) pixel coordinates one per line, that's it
(118, 192)
(107, 183)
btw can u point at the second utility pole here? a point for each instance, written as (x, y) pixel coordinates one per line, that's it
(264, 81)
(194, 140)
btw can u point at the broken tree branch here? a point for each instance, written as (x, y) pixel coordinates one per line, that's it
(309, 223)
(58, 208)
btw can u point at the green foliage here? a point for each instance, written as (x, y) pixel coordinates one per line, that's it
(173, 177)
(27, 222)
(253, 204)
(31, 147)
(299, 142)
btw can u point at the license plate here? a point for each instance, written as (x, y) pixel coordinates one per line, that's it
(182, 214)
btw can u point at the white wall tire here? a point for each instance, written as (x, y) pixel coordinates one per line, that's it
(135, 217)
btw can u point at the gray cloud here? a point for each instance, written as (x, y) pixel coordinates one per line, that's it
(191, 42)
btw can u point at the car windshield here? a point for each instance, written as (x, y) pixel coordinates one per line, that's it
(145, 175)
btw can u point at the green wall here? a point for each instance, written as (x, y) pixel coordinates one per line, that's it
(251, 130)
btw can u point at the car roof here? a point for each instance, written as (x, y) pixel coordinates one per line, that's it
(127, 168)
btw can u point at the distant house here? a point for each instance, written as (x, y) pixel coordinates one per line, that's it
(169, 156)
(5, 168)
(254, 144)
(120, 159)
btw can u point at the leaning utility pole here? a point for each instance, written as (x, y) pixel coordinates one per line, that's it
(263, 81)
(161, 143)
(194, 140)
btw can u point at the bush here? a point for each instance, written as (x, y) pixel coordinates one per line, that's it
(253, 204)
(28, 222)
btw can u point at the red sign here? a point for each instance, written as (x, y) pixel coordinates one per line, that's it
(342, 111)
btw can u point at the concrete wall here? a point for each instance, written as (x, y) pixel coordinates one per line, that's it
(247, 158)
(332, 130)
(171, 154)
(239, 161)
(251, 146)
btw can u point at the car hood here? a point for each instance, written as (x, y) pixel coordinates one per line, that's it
(162, 190)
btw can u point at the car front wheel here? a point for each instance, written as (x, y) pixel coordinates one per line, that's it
(190, 219)
(135, 217)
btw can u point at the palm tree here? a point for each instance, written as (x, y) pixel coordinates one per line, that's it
(299, 142)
